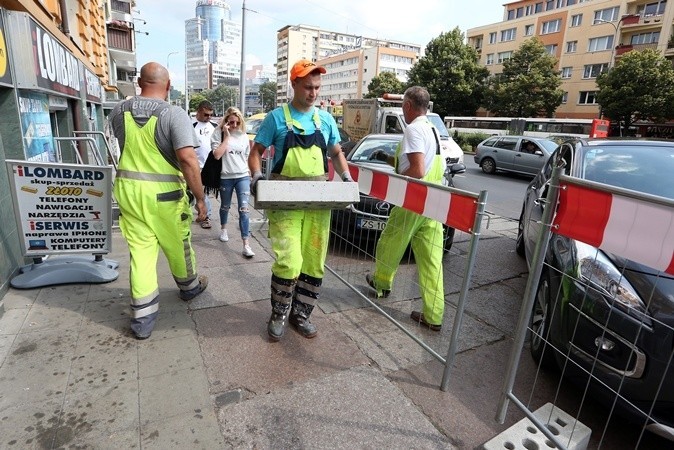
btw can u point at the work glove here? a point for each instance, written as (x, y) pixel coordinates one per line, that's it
(257, 175)
(346, 176)
(378, 155)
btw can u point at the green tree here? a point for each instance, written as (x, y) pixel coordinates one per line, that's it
(195, 99)
(268, 94)
(385, 82)
(529, 85)
(639, 87)
(451, 73)
(222, 98)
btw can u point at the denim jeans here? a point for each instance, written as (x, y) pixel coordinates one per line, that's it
(242, 188)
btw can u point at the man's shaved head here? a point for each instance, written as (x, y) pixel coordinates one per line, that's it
(154, 73)
(154, 80)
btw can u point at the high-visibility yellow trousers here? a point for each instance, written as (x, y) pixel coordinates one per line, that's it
(153, 218)
(425, 235)
(299, 240)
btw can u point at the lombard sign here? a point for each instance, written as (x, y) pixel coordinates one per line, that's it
(56, 68)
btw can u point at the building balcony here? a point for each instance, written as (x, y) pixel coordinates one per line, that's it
(625, 48)
(123, 59)
(120, 35)
(634, 22)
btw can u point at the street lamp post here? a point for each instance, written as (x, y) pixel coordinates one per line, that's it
(616, 27)
(615, 38)
(167, 68)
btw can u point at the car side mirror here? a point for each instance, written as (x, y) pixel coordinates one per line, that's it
(538, 152)
(457, 168)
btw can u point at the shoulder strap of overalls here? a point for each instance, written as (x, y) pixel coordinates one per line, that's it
(290, 122)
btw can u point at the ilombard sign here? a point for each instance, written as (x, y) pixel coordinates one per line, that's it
(62, 208)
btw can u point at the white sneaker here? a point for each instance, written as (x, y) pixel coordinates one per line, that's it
(223, 236)
(247, 251)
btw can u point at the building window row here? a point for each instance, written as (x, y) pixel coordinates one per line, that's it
(504, 56)
(551, 26)
(606, 15)
(645, 38)
(508, 35)
(652, 9)
(589, 71)
(587, 98)
(539, 7)
(600, 43)
(396, 58)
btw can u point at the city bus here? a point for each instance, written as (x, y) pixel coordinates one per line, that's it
(529, 126)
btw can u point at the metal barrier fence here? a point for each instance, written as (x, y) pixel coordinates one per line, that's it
(583, 317)
(461, 214)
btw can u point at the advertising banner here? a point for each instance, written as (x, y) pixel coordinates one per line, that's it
(62, 208)
(36, 127)
(56, 68)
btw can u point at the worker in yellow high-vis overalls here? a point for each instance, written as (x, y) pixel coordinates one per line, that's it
(417, 156)
(303, 137)
(157, 160)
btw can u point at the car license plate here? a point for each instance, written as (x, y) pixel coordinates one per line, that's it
(369, 224)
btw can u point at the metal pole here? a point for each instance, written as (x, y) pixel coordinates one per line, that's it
(242, 77)
(168, 98)
(461, 305)
(187, 102)
(530, 290)
(610, 61)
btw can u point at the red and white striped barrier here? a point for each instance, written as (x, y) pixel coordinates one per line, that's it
(453, 209)
(635, 229)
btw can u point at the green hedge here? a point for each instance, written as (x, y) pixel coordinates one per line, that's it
(469, 140)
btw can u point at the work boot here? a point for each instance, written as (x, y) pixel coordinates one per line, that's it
(142, 326)
(299, 318)
(278, 321)
(198, 289)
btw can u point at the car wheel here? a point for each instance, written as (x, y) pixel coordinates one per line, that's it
(539, 324)
(448, 238)
(519, 242)
(488, 165)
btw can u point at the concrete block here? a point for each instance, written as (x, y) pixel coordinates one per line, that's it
(525, 436)
(285, 194)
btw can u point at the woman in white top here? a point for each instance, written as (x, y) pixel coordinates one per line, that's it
(230, 142)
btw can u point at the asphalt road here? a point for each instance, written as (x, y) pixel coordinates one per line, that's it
(505, 190)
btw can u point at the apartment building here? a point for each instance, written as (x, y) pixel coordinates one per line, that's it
(119, 82)
(352, 61)
(586, 36)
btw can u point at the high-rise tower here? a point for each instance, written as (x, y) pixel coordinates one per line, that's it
(212, 47)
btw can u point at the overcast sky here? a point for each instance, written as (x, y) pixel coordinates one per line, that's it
(410, 21)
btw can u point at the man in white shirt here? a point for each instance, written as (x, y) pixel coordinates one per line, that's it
(204, 127)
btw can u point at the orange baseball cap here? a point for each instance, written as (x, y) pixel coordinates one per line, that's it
(304, 67)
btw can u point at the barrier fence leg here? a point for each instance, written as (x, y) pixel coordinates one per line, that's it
(461, 305)
(529, 296)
